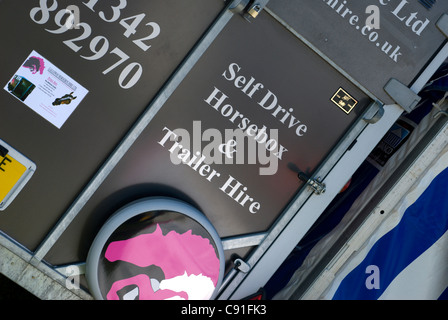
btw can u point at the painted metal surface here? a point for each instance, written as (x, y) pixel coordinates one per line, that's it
(227, 127)
(262, 92)
(68, 157)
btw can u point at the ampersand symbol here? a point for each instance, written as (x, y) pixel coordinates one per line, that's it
(228, 148)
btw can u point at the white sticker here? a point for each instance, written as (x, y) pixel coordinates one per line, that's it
(46, 89)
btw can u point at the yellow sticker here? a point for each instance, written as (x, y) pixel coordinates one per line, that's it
(10, 173)
(344, 100)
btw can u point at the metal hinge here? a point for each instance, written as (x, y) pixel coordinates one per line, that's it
(238, 6)
(402, 95)
(442, 24)
(316, 185)
(377, 117)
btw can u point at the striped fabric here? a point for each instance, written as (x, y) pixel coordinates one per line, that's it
(410, 259)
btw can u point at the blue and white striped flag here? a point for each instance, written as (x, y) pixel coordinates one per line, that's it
(408, 257)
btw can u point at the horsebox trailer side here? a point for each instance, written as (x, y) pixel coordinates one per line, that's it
(188, 149)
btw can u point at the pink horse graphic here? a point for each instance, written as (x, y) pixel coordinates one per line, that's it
(189, 262)
(35, 64)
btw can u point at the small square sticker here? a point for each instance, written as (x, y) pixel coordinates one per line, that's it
(344, 100)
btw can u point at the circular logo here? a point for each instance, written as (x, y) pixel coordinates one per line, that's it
(156, 249)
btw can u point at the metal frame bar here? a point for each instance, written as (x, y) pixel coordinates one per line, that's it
(282, 235)
(247, 240)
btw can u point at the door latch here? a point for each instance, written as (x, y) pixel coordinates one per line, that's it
(316, 185)
(241, 265)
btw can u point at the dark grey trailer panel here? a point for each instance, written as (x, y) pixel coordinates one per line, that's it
(67, 158)
(250, 127)
(212, 107)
